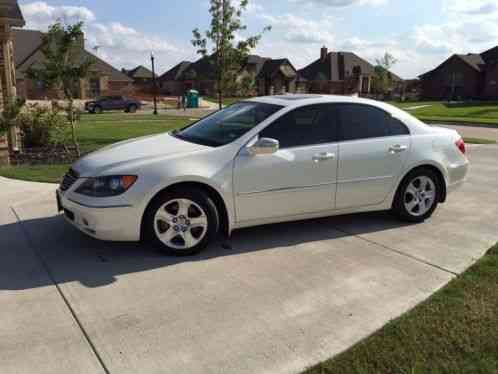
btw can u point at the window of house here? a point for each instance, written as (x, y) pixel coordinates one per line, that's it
(363, 122)
(310, 125)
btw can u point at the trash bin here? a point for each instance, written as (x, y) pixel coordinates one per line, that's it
(193, 99)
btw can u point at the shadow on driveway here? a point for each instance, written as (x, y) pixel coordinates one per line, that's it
(71, 256)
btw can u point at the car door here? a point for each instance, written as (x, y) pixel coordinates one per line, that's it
(300, 177)
(117, 102)
(372, 151)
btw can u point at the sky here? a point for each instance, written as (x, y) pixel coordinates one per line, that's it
(420, 34)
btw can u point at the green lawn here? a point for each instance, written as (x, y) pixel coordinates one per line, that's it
(36, 173)
(454, 332)
(226, 100)
(465, 113)
(97, 131)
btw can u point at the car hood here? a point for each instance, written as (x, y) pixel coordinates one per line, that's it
(134, 153)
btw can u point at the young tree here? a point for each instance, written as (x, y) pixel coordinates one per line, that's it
(64, 66)
(228, 53)
(383, 76)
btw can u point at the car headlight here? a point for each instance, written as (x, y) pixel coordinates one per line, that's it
(107, 186)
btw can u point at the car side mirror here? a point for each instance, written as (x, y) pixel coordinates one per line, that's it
(264, 146)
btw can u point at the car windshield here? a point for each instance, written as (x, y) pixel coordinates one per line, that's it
(227, 125)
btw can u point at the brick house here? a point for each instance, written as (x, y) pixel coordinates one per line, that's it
(104, 79)
(142, 79)
(467, 76)
(340, 73)
(200, 75)
(10, 16)
(277, 77)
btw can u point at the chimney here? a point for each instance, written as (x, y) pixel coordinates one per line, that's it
(323, 54)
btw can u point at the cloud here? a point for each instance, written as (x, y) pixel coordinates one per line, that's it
(39, 15)
(118, 44)
(487, 8)
(302, 30)
(339, 3)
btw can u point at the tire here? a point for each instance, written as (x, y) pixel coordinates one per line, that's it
(418, 196)
(131, 109)
(97, 109)
(171, 228)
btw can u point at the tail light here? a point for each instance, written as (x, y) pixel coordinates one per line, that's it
(461, 145)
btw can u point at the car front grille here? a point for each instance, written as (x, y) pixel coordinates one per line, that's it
(68, 180)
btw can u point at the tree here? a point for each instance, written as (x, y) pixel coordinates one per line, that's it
(10, 112)
(64, 66)
(228, 53)
(383, 77)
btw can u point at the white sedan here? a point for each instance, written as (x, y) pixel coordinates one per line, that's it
(262, 161)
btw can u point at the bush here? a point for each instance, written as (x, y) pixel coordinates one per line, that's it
(42, 127)
(9, 115)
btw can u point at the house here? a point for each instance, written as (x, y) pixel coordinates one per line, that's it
(170, 83)
(340, 73)
(277, 77)
(142, 78)
(463, 76)
(201, 75)
(104, 79)
(10, 16)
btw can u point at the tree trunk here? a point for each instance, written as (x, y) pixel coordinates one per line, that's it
(73, 128)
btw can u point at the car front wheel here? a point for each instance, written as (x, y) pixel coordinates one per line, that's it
(418, 196)
(183, 222)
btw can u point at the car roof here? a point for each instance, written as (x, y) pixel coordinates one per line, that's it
(299, 100)
(307, 99)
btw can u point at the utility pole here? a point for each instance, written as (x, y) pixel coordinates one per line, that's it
(154, 82)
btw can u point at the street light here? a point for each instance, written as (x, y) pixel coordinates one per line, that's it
(154, 82)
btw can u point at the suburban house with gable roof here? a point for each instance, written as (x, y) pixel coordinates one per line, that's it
(268, 75)
(277, 77)
(104, 80)
(463, 76)
(142, 77)
(340, 73)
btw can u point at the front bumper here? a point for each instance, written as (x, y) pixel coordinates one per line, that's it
(120, 223)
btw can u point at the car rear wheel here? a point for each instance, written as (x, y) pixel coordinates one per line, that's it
(182, 223)
(418, 196)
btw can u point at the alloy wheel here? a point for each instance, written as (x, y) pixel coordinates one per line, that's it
(420, 196)
(181, 224)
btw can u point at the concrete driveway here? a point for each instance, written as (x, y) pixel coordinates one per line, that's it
(283, 298)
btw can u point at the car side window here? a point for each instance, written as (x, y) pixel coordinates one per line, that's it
(310, 125)
(398, 128)
(363, 122)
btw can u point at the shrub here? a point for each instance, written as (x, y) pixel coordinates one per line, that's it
(42, 127)
(9, 115)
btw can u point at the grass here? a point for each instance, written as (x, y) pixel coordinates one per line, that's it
(97, 131)
(455, 331)
(36, 173)
(464, 113)
(226, 100)
(479, 141)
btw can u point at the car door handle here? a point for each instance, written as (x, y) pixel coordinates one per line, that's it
(325, 156)
(397, 148)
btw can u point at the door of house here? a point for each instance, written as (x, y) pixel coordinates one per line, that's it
(95, 90)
